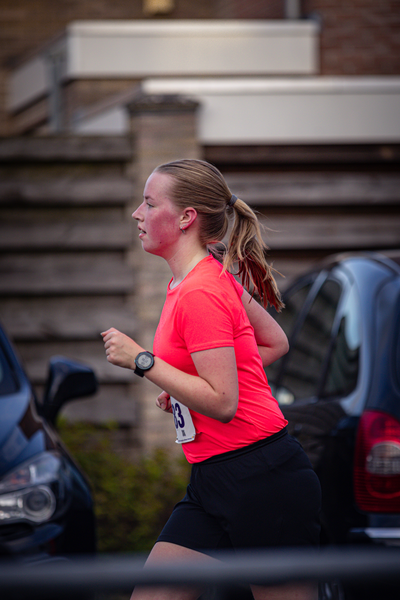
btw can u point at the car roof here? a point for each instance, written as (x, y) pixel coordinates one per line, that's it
(393, 255)
(388, 258)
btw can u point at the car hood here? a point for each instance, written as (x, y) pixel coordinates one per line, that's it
(22, 433)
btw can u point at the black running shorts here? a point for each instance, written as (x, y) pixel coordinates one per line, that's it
(263, 495)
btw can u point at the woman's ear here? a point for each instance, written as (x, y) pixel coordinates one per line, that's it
(188, 217)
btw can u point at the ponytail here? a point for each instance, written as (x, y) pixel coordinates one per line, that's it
(201, 185)
(247, 248)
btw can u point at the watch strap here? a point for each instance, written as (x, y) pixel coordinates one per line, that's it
(138, 371)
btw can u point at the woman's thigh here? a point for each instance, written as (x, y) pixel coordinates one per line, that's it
(165, 552)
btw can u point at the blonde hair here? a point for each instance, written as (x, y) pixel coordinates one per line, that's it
(201, 185)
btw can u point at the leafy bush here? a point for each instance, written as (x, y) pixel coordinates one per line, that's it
(132, 500)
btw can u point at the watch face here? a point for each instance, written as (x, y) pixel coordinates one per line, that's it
(144, 361)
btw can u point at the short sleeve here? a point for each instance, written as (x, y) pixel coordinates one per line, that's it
(205, 321)
(238, 287)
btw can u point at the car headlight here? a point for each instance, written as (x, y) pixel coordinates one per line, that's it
(33, 491)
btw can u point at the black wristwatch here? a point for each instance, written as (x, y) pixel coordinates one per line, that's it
(144, 361)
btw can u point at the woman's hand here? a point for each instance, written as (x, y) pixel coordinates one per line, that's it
(164, 402)
(120, 349)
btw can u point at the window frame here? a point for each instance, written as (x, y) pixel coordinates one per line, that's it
(317, 280)
(347, 283)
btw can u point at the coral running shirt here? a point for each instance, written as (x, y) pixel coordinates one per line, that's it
(205, 311)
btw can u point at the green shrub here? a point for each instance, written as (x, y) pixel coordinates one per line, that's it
(132, 500)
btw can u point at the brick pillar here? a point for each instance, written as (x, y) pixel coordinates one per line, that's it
(163, 129)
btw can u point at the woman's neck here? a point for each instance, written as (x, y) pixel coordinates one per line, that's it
(182, 265)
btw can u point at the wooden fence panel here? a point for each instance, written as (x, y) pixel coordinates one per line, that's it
(67, 189)
(59, 148)
(316, 189)
(65, 274)
(36, 357)
(68, 250)
(64, 235)
(331, 232)
(72, 318)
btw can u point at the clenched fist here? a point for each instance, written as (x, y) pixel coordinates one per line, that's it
(164, 402)
(120, 349)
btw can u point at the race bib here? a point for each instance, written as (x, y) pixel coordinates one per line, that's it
(185, 431)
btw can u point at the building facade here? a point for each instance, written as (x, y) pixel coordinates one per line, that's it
(298, 103)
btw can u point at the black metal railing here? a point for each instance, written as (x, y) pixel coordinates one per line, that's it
(87, 576)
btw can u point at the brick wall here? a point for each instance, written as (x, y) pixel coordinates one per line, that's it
(358, 37)
(162, 130)
(251, 9)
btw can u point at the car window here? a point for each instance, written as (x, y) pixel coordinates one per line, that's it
(342, 374)
(8, 384)
(303, 367)
(287, 320)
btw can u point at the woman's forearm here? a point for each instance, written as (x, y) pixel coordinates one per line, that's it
(270, 355)
(194, 392)
(213, 392)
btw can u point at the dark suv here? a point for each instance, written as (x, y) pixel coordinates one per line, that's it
(339, 387)
(46, 508)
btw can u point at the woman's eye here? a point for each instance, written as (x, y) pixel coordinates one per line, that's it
(148, 204)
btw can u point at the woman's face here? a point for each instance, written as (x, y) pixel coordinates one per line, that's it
(158, 218)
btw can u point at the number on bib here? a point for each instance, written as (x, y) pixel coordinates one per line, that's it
(185, 430)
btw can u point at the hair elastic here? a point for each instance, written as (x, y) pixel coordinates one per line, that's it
(232, 200)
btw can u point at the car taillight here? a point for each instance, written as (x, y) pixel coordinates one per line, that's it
(377, 463)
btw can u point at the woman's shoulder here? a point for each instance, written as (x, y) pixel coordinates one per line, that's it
(210, 278)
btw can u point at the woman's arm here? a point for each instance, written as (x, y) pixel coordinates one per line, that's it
(214, 392)
(271, 340)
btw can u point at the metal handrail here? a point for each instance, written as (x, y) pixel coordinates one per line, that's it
(121, 573)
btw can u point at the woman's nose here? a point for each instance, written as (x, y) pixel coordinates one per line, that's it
(136, 215)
